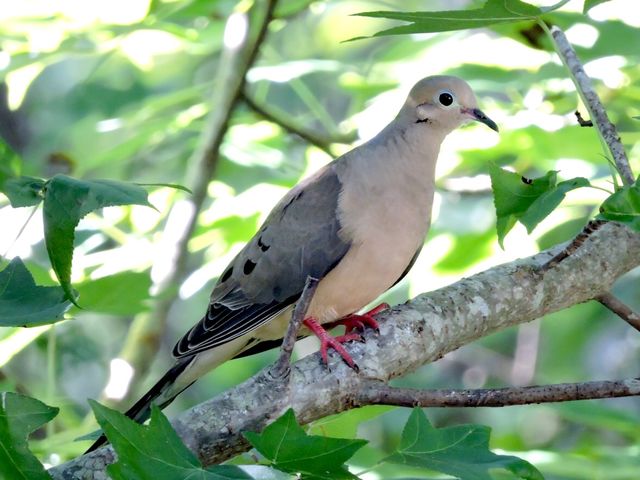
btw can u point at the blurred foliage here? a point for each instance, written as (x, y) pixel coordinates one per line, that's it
(121, 90)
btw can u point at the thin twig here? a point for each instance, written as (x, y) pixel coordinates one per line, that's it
(581, 121)
(378, 393)
(620, 309)
(597, 113)
(281, 368)
(323, 144)
(570, 249)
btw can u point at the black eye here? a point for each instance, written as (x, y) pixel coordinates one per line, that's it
(445, 99)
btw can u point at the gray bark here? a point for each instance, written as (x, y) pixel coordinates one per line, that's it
(411, 335)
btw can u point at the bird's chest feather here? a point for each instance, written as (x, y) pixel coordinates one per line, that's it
(386, 227)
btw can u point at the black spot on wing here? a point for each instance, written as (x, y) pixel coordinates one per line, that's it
(227, 274)
(248, 267)
(264, 247)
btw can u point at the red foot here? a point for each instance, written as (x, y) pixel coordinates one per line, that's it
(327, 341)
(360, 321)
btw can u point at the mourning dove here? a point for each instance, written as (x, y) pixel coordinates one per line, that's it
(357, 225)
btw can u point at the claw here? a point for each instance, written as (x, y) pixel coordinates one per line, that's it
(360, 321)
(327, 341)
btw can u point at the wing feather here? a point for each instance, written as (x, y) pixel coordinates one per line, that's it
(300, 237)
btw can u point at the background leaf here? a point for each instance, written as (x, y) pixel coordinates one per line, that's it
(66, 201)
(623, 206)
(25, 304)
(23, 191)
(19, 416)
(289, 448)
(461, 451)
(492, 12)
(589, 4)
(119, 294)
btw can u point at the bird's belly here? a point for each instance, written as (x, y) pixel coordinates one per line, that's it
(366, 272)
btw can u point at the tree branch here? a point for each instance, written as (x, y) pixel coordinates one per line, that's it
(291, 127)
(411, 335)
(574, 245)
(378, 393)
(282, 368)
(598, 114)
(620, 309)
(147, 329)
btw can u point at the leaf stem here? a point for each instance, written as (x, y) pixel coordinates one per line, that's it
(555, 6)
(51, 373)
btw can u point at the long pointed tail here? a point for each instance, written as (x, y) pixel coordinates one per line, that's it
(161, 394)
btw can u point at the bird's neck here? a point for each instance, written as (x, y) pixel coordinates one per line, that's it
(407, 156)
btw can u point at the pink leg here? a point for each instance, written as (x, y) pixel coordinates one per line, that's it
(327, 341)
(360, 321)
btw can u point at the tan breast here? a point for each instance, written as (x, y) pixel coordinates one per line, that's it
(385, 210)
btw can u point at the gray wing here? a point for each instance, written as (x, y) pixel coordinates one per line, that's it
(301, 237)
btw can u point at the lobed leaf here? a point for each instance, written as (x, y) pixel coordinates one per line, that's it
(66, 201)
(461, 451)
(19, 416)
(155, 452)
(25, 304)
(289, 448)
(491, 13)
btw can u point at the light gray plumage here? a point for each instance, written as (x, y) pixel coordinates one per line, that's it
(357, 225)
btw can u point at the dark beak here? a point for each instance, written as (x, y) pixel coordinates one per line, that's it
(479, 115)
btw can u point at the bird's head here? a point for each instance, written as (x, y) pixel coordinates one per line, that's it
(443, 102)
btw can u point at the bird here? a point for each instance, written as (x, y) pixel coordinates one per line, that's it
(357, 225)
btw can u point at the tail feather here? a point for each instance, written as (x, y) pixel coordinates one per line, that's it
(141, 410)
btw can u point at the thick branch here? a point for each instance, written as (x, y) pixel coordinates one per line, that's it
(147, 329)
(418, 332)
(574, 245)
(378, 393)
(591, 100)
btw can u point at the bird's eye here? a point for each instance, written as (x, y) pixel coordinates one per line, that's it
(445, 99)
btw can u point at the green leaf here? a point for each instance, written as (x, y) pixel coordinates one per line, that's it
(461, 451)
(513, 194)
(25, 304)
(517, 198)
(23, 191)
(345, 424)
(289, 448)
(155, 452)
(623, 206)
(491, 13)
(124, 293)
(548, 201)
(19, 416)
(66, 201)
(9, 164)
(170, 185)
(589, 4)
